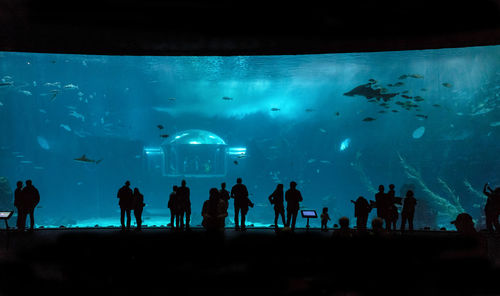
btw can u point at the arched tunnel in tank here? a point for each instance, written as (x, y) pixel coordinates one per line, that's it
(191, 153)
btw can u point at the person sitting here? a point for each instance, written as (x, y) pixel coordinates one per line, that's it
(213, 212)
(344, 230)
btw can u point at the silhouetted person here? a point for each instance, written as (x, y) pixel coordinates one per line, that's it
(344, 230)
(392, 209)
(378, 226)
(183, 196)
(31, 196)
(125, 195)
(381, 203)
(361, 211)
(173, 205)
(324, 219)
(213, 211)
(19, 203)
(277, 199)
(239, 193)
(408, 210)
(224, 194)
(293, 199)
(464, 224)
(492, 207)
(138, 205)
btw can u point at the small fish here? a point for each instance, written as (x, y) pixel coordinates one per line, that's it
(275, 109)
(171, 99)
(26, 92)
(405, 92)
(494, 124)
(309, 110)
(322, 130)
(77, 115)
(1, 104)
(325, 161)
(227, 98)
(53, 97)
(159, 126)
(418, 98)
(26, 161)
(71, 86)
(80, 94)
(406, 97)
(7, 83)
(164, 136)
(34, 83)
(369, 119)
(56, 84)
(38, 168)
(399, 83)
(235, 162)
(382, 111)
(317, 171)
(311, 160)
(390, 84)
(394, 111)
(372, 81)
(43, 111)
(446, 84)
(66, 127)
(337, 113)
(403, 77)
(416, 76)
(422, 116)
(423, 89)
(83, 158)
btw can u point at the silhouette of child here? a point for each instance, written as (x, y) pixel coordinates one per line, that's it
(324, 219)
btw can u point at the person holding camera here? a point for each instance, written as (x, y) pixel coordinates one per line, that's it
(276, 199)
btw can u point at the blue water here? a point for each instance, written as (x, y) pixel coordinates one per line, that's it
(281, 118)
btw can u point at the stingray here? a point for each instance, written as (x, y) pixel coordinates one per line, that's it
(368, 92)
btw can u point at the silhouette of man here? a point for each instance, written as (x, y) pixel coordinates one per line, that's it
(491, 209)
(173, 205)
(32, 198)
(381, 202)
(138, 205)
(277, 199)
(392, 210)
(224, 197)
(183, 194)
(361, 211)
(125, 195)
(324, 219)
(293, 199)
(408, 211)
(239, 193)
(19, 203)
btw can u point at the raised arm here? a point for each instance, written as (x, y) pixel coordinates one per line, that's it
(485, 188)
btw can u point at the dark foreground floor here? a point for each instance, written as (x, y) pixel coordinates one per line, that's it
(256, 262)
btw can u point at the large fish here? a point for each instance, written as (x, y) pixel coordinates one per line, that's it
(368, 92)
(84, 159)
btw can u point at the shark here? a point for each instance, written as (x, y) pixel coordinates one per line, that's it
(368, 92)
(84, 159)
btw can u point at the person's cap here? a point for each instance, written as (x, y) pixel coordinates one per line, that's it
(461, 218)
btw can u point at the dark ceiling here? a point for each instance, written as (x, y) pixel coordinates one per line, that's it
(189, 27)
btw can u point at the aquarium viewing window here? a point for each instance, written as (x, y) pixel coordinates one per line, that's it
(339, 125)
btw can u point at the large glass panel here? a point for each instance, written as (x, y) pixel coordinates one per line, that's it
(339, 125)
